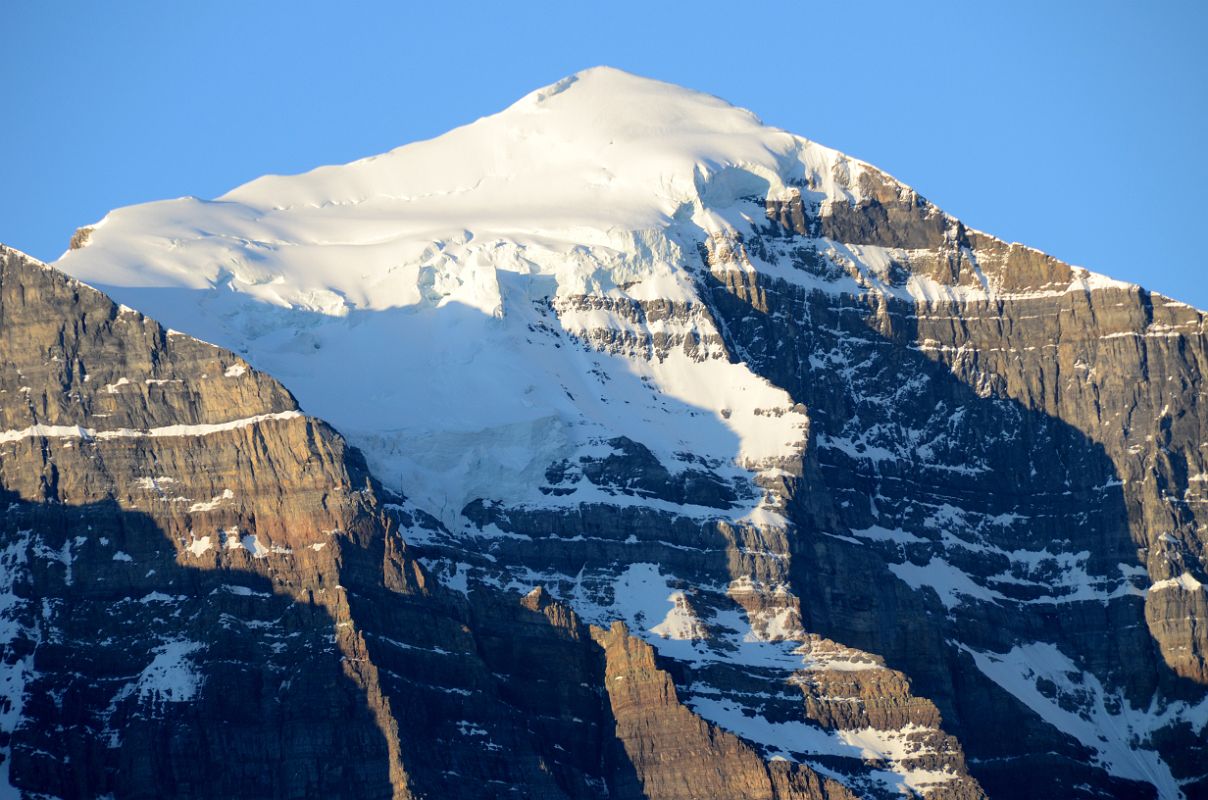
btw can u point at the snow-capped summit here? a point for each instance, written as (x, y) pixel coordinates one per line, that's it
(363, 285)
(597, 155)
(601, 146)
(406, 297)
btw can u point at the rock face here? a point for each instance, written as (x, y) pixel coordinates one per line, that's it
(206, 595)
(679, 755)
(712, 462)
(999, 469)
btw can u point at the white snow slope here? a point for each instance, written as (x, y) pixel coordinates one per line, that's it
(399, 297)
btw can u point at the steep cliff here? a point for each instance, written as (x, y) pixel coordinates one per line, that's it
(206, 595)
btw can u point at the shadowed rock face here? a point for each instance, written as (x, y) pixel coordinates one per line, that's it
(204, 594)
(996, 511)
(1003, 493)
(697, 760)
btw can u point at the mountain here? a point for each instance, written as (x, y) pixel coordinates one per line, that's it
(699, 460)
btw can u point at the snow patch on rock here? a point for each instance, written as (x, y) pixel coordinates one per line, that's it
(171, 677)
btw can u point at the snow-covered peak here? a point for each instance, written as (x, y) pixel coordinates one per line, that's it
(427, 301)
(601, 145)
(601, 141)
(592, 161)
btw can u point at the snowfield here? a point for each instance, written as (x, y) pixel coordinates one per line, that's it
(415, 299)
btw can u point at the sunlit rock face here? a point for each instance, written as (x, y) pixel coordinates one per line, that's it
(698, 460)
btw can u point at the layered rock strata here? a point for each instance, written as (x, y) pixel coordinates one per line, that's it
(206, 595)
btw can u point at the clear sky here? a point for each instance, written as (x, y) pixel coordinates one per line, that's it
(1076, 127)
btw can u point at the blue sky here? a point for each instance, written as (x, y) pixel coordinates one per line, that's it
(1075, 127)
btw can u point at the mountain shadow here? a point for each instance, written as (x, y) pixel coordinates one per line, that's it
(132, 676)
